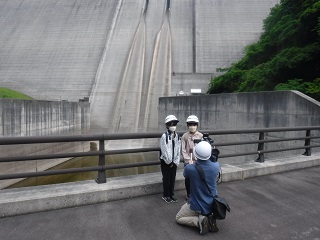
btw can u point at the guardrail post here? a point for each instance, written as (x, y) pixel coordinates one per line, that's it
(101, 173)
(307, 142)
(260, 147)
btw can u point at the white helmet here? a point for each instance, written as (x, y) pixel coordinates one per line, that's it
(192, 119)
(171, 118)
(202, 151)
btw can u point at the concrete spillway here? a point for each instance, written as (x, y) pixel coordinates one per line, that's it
(51, 49)
(122, 54)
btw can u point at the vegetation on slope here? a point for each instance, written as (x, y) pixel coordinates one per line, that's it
(9, 93)
(286, 57)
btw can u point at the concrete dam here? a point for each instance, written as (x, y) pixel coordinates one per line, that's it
(122, 55)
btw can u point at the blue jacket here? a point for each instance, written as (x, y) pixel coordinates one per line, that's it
(200, 198)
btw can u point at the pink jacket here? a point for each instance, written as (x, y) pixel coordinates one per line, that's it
(187, 144)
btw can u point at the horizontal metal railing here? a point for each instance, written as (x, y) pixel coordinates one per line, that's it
(101, 153)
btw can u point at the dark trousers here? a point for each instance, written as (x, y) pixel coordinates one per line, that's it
(187, 184)
(168, 178)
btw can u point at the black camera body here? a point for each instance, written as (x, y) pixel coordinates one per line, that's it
(214, 152)
(207, 138)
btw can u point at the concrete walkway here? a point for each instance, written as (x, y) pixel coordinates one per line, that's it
(278, 206)
(57, 196)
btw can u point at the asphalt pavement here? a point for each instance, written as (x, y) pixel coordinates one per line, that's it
(279, 206)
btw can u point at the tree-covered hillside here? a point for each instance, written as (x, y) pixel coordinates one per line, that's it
(286, 57)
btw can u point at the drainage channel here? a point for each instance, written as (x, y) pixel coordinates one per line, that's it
(90, 162)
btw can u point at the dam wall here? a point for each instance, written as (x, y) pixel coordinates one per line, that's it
(121, 54)
(50, 50)
(20, 118)
(244, 111)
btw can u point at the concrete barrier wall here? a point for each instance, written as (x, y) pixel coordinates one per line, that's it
(38, 118)
(246, 110)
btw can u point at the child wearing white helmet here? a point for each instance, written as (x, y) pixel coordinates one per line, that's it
(187, 145)
(170, 145)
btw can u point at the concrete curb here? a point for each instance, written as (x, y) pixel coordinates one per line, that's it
(57, 196)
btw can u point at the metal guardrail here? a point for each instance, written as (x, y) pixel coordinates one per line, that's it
(101, 168)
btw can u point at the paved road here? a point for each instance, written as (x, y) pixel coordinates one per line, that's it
(280, 206)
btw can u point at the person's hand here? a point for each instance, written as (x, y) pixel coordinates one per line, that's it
(191, 161)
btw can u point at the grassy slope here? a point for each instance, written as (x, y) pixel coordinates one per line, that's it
(9, 93)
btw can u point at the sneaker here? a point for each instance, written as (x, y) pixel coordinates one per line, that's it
(174, 199)
(167, 199)
(213, 227)
(203, 224)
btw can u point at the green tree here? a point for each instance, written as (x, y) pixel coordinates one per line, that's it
(288, 49)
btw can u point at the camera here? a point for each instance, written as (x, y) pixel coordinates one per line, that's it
(207, 138)
(214, 152)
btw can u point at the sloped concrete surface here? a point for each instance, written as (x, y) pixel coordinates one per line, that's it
(71, 49)
(224, 28)
(43, 198)
(278, 206)
(51, 49)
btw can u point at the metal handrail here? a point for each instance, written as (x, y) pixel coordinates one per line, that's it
(101, 168)
(121, 136)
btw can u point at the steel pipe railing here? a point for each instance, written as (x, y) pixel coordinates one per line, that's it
(101, 153)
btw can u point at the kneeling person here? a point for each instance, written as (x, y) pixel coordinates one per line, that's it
(196, 212)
